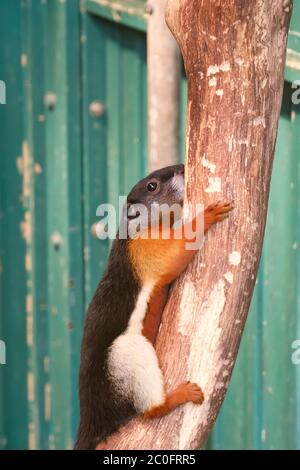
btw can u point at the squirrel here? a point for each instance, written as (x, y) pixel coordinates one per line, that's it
(120, 375)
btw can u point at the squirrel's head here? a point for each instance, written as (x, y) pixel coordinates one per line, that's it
(153, 195)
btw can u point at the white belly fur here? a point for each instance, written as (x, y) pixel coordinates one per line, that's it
(133, 364)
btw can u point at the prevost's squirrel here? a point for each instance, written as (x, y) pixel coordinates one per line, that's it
(119, 371)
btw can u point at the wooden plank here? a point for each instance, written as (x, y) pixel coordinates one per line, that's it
(94, 148)
(13, 394)
(64, 219)
(280, 294)
(33, 173)
(132, 150)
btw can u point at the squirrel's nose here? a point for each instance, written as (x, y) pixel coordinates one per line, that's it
(179, 170)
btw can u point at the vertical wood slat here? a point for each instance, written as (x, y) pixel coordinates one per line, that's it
(12, 252)
(64, 219)
(34, 223)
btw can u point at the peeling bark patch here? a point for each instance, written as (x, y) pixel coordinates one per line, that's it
(235, 258)
(243, 142)
(214, 185)
(207, 328)
(207, 164)
(259, 121)
(213, 69)
(188, 294)
(239, 61)
(229, 277)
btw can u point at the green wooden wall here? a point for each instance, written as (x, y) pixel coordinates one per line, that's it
(58, 162)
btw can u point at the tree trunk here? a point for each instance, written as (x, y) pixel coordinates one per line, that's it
(234, 55)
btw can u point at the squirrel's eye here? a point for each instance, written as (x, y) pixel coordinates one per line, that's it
(152, 186)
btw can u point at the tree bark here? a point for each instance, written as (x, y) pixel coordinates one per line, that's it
(234, 54)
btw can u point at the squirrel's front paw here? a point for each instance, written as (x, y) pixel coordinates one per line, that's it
(218, 211)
